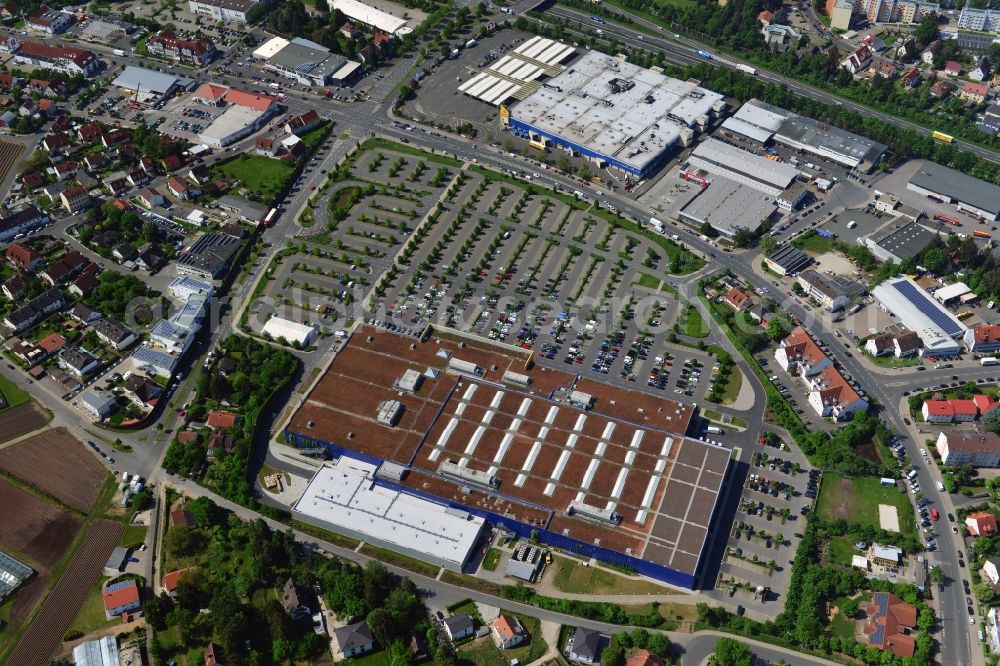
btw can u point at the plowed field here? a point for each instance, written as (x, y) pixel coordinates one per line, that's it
(59, 464)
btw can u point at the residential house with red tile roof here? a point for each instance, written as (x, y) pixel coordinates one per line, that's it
(171, 578)
(643, 657)
(982, 339)
(22, 257)
(831, 395)
(223, 419)
(120, 598)
(799, 354)
(981, 524)
(889, 621)
(507, 632)
(738, 299)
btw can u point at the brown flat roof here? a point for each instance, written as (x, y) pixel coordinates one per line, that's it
(626, 454)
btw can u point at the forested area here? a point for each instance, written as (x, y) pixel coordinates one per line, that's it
(236, 569)
(260, 371)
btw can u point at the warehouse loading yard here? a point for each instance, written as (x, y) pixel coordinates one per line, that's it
(586, 464)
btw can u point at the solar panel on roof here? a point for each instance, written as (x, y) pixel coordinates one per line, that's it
(926, 306)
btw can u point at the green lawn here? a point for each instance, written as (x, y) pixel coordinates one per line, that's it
(469, 607)
(732, 388)
(265, 177)
(91, 616)
(573, 577)
(400, 560)
(491, 560)
(813, 243)
(315, 135)
(842, 627)
(379, 658)
(481, 652)
(856, 500)
(648, 281)
(13, 394)
(892, 362)
(840, 550)
(694, 324)
(535, 648)
(134, 535)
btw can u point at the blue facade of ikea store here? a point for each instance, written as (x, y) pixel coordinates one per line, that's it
(525, 130)
(522, 530)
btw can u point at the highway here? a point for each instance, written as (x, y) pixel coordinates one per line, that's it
(680, 50)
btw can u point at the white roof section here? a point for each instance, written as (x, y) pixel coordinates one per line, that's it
(346, 71)
(345, 494)
(234, 119)
(291, 331)
(514, 73)
(920, 313)
(616, 109)
(859, 562)
(768, 119)
(886, 552)
(742, 127)
(957, 290)
(384, 21)
(102, 652)
(269, 48)
(748, 168)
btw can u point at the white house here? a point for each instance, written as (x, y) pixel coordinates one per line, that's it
(507, 632)
(459, 626)
(97, 406)
(991, 570)
(978, 450)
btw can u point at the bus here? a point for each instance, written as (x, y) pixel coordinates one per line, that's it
(941, 136)
(981, 233)
(269, 219)
(964, 315)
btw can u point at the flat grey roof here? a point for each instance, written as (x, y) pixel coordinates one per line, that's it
(957, 185)
(147, 80)
(210, 253)
(727, 157)
(244, 5)
(819, 137)
(307, 58)
(790, 258)
(616, 109)
(728, 206)
(902, 237)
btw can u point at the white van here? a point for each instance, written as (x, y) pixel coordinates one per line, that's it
(912, 475)
(852, 224)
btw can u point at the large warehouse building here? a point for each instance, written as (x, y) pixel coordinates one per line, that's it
(970, 194)
(898, 239)
(347, 497)
(615, 113)
(761, 122)
(939, 330)
(744, 167)
(150, 86)
(307, 62)
(445, 431)
(370, 16)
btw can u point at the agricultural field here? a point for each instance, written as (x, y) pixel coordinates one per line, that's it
(22, 419)
(10, 151)
(34, 526)
(57, 464)
(66, 598)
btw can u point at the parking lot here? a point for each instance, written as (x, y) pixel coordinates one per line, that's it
(779, 492)
(318, 279)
